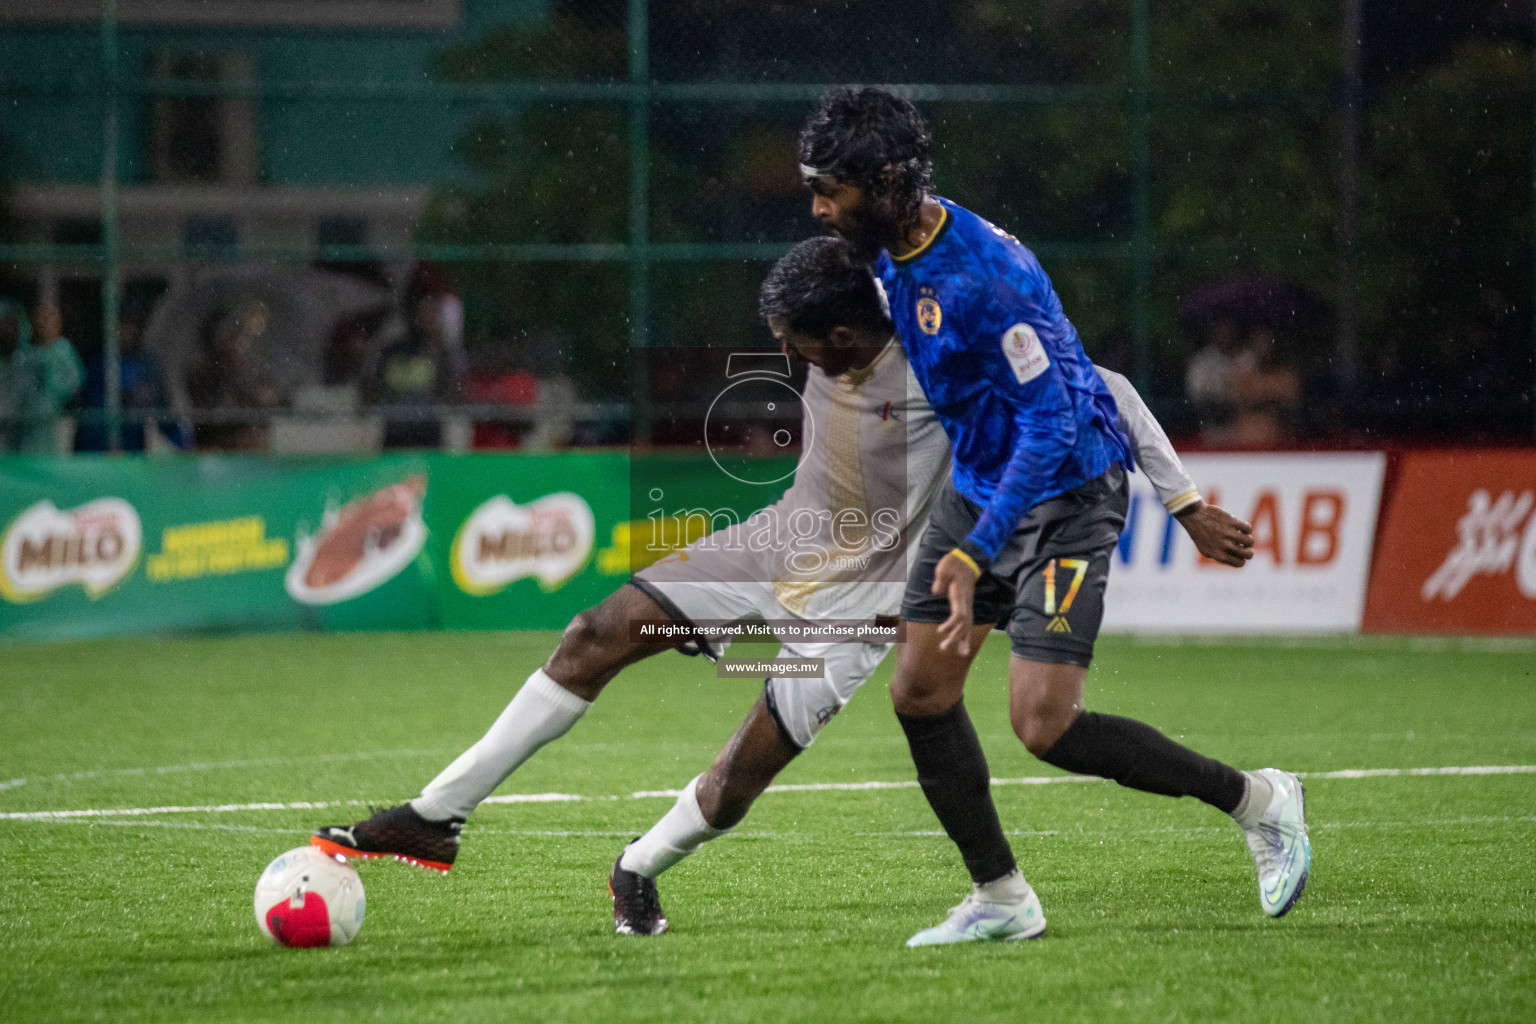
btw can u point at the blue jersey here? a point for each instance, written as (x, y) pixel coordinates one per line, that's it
(1027, 415)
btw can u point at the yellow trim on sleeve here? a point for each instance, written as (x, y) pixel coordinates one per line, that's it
(1182, 501)
(968, 560)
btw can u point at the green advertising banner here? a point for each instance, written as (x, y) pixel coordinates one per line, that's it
(523, 542)
(96, 546)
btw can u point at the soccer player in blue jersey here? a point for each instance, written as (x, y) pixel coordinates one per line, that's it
(1021, 539)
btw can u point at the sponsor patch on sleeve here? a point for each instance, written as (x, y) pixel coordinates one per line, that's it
(1025, 353)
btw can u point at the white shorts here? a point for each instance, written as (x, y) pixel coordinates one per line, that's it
(707, 589)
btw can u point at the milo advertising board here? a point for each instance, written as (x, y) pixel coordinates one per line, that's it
(527, 542)
(95, 546)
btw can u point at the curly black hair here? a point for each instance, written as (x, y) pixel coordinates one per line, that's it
(857, 132)
(821, 284)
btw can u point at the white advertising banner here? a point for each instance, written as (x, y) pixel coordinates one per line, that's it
(1314, 520)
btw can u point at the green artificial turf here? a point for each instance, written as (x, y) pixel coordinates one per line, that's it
(1422, 903)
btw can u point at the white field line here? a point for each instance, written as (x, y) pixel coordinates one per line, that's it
(1379, 773)
(1340, 641)
(127, 812)
(646, 794)
(209, 826)
(627, 833)
(208, 766)
(1045, 780)
(194, 826)
(1524, 819)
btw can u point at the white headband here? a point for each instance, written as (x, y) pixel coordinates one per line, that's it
(807, 171)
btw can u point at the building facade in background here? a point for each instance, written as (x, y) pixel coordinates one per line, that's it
(284, 126)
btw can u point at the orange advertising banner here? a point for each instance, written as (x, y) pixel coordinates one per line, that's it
(1457, 547)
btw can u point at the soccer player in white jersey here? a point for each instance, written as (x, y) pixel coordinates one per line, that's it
(832, 548)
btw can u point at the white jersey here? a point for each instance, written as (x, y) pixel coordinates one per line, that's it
(1154, 455)
(876, 458)
(836, 544)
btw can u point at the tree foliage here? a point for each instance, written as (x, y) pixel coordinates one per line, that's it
(551, 172)
(1447, 260)
(1245, 150)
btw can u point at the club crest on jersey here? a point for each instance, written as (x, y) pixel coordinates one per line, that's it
(929, 315)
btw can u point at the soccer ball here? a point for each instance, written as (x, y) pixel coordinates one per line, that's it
(308, 898)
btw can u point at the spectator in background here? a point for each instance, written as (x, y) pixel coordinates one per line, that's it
(1209, 378)
(429, 278)
(1266, 394)
(423, 369)
(1246, 388)
(42, 377)
(328, 416)
(344, 371)
(555, 427)
(231, 375)
(1247, 394)
(499, 375)
(141, 384)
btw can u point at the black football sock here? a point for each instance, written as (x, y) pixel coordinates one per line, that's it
(1136, 755)
(952, 770)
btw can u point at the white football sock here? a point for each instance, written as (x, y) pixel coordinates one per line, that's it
(1011, 888)
(543, 710)
(679, 832)
(1256, 797)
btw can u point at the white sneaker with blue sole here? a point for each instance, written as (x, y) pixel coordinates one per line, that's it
(1279, 844)
(975, 918)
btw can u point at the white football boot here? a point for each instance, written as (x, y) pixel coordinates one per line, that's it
(976, 918)
(1279, 844)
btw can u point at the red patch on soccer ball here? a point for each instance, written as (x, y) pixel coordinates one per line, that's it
(301, 926)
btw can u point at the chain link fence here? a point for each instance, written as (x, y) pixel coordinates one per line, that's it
(456, 234)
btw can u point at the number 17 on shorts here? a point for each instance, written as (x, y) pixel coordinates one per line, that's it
(1071, 573)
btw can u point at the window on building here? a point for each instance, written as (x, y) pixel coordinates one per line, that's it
(210, 233)
(77, 231)
(202, 136)
(370, 14)
(341, 231)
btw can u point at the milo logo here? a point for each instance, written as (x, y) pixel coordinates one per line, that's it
(548, 539)
(44, 548)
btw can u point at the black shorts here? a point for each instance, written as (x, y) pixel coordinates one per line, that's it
(1046, 585)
